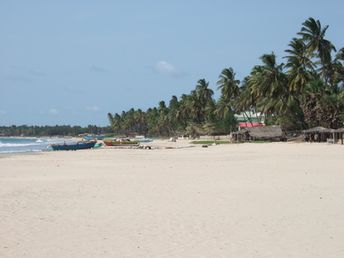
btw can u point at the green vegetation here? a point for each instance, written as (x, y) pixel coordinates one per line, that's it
(305, 91)
(57, 130)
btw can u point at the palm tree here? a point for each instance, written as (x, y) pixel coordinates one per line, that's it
(203, 92)
(228, 85)
(199, 99)
(245, 100)
(183, 114)
(338, 66)
(307, 90)
(163, 122)
(313, 34)
(110, 118)
(172, 114)
(268, 85)
(299, 65)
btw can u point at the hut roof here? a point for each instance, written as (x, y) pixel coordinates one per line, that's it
(340, 130)
(266, 132)
(318, 129)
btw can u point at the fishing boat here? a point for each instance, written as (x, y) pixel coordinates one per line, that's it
(74, 146)
(120, 142)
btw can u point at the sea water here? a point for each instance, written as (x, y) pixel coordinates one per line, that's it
(23, 144)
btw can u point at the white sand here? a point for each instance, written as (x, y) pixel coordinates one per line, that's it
(248, 200)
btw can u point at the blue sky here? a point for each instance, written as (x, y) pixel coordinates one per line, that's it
(73, 61)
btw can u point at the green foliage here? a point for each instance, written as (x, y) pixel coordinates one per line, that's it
(306, 91)
(57, 130)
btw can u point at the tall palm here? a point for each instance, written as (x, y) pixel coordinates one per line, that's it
(203, 92)
(299, 65)
(172, 114)
(228, 85)
(268, 84)
(183, 113)
(268, 80)
(313, 35)
(163, 125)
(200, 97)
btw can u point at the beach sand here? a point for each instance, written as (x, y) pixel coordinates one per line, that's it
(238, 200)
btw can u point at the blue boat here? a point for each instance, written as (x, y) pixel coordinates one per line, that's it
(74, 146)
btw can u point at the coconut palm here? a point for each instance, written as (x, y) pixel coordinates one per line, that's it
(308, 89)
(299, 65)
(268, 84)
(313, 34)
(200, 97)
(338, 65)
(203, 92)
(228, 85)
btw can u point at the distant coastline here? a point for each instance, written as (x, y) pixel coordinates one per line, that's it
(51, 131)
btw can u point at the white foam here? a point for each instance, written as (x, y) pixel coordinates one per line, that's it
(18, 144)
(19, 151)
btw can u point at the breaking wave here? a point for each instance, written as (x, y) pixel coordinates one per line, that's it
(19, 145)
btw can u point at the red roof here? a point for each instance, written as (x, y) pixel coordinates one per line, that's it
(248, 124)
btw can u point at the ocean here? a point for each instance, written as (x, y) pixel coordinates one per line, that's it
(23, 144)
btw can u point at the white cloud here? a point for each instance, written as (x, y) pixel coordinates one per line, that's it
(2, 112)
(92, 108)
(166, 68)
(53, 111)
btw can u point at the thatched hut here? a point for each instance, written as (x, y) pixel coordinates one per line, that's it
(240, 136)
(339, 135)
(319, 134)
(264, 133)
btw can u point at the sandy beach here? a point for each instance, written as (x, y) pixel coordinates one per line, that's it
(238, 200)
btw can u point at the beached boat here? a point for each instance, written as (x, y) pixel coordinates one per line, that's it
(74, 146)
(120, 142)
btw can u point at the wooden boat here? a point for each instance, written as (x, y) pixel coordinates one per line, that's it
(120, 142)
(74, 146)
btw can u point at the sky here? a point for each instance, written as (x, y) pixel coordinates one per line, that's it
(73, 61)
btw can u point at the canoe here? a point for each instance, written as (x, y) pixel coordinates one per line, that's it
(73, 146)
(120, 142)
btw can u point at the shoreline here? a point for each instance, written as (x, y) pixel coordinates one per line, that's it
(166, 144)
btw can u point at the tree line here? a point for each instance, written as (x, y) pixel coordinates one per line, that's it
(304, 91)
(57, 130)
